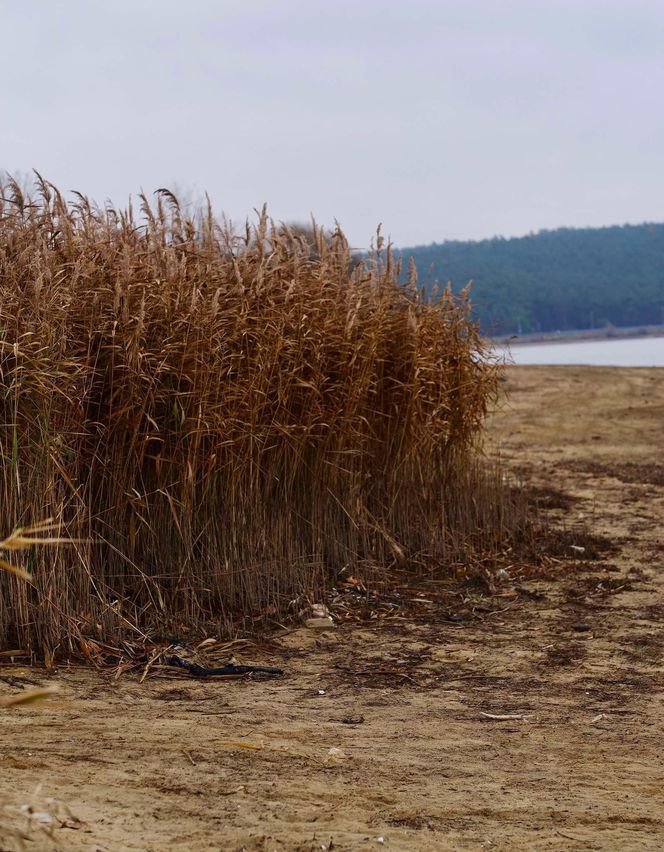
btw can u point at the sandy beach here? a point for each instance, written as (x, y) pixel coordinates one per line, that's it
(529, 717)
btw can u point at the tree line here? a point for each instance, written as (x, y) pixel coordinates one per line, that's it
(564, 279)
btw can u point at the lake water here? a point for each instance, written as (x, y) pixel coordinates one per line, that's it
(628, 352)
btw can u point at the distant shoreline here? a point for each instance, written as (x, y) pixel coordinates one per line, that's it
(611, 333)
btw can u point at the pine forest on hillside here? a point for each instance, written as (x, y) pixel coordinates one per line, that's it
(555, 280)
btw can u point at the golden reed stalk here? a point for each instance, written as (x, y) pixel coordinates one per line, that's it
(224, 422)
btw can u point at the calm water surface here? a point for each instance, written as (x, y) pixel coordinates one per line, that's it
(632, 352)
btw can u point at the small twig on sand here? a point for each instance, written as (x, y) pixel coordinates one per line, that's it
(502, 717)
(571, 837)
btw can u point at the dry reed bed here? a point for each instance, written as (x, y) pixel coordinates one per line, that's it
(223, 422)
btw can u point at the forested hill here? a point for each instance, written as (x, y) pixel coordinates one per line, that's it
(555, 280)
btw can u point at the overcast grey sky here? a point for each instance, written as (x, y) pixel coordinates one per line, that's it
(448, 119)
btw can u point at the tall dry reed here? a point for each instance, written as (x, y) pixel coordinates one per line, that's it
(223, 422)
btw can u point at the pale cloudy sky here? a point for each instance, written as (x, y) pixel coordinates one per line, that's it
(448, 119)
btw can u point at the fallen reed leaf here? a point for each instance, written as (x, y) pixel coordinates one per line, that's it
(30, 696)
(232, 744)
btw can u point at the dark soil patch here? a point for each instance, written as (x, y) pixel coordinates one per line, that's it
(629, 472)
(565, 654)
(416, 821)
(616, 691)
(596, 586)
(550, 498)
(388, 671)
(579, 544)
(654, 612)
(645, 649)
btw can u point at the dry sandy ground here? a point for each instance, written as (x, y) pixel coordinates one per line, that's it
(575, 651)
